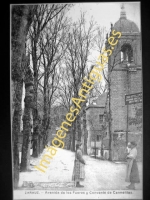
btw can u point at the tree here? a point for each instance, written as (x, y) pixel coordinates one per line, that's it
(21, 20)
(76, 60)
(65, 89)
(53, 46)
(29, 105)
(65, 94)
(46, 23)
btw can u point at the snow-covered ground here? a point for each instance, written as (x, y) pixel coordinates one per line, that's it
(100, 174)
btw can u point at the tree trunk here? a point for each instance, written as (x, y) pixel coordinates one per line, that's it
(27, 117)
(85, 140)
(26, 139)
(36, 150)
(16, 130)
(45, 111)
(21, 20)
(35, 147)
(41, 144)
(78, 123)
(69, 140)
(85, 132)
(73, 137)
(95, 146)
(36, 132)
(102, 147)
(35, 128)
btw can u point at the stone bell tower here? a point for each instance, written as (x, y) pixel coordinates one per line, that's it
(126, 78)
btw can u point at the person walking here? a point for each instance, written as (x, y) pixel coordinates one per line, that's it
(132, 174)
(78, 170)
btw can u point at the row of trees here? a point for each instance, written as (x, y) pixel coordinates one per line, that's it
(50, 56)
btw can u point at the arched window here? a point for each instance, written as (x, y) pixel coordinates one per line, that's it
(126, 53)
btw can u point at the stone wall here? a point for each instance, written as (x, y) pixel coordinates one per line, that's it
(119, 110)
(118, 92)
(118, 107)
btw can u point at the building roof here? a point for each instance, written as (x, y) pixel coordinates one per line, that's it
(99, 102)
(124, 24)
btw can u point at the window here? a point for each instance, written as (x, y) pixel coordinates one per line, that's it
(126, 53)
(100, 119)
(98, 138)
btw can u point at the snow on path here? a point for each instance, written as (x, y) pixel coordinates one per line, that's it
(99, 174)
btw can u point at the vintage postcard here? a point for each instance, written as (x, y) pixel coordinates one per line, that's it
(76, 100)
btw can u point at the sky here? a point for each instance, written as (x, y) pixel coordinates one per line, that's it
(106, 13)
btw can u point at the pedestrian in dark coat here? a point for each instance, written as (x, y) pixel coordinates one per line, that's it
(132, 174)
(78, 171)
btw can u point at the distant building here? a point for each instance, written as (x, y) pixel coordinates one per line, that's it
(95, 123)
(58, 115)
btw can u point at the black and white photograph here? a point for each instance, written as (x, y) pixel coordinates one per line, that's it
(76, 100)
